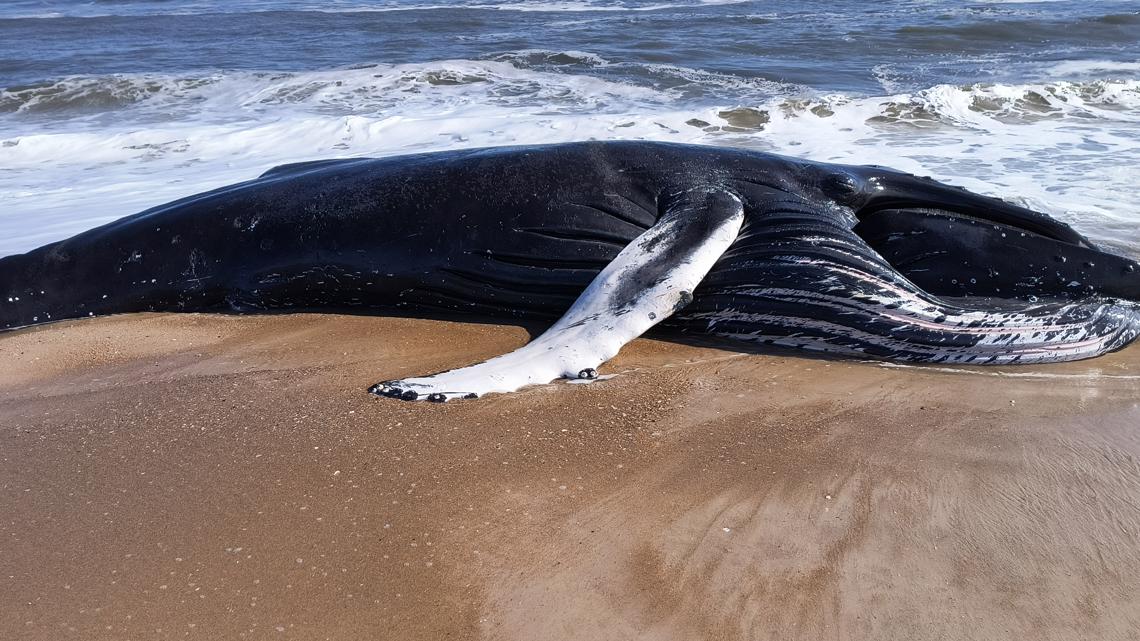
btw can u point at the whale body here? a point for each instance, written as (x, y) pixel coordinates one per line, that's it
(608, 239)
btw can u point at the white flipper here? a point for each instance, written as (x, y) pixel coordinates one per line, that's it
(648, 281)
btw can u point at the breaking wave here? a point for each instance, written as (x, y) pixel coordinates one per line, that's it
(557, 81)
(120, 143)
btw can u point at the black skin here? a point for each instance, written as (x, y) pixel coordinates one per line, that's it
(962, 256)
(519, 233)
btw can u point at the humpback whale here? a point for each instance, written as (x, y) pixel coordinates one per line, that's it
(606, 240)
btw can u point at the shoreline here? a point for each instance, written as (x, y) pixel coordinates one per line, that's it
(208, 476)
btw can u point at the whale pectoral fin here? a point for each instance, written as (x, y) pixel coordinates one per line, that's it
(648, 281)
(950, 255)
(896, 190)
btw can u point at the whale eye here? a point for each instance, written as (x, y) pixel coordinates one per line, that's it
(842, 187)
(841, 182)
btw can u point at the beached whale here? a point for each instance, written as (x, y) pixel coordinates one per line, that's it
(610, 238)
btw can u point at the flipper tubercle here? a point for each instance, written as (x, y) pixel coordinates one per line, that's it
(649, 280)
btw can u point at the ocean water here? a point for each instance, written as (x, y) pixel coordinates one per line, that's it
(111, 106)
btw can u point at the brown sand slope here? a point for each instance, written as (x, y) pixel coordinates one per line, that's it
(220, 477)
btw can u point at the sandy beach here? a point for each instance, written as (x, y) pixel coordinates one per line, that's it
(226, 477)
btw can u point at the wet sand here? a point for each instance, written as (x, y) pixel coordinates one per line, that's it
(224, 477)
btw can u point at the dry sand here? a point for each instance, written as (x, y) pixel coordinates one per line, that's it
(224, 477)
